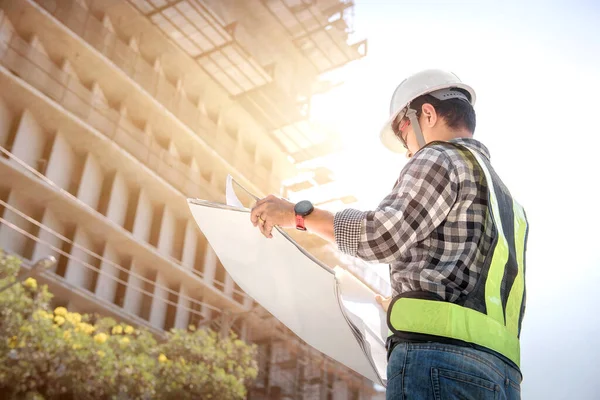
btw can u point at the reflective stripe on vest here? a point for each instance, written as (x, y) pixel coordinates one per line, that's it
(497, 329)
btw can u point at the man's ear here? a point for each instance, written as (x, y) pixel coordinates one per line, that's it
(429, 115)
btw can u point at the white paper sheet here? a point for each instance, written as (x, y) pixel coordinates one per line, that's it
(330, 310)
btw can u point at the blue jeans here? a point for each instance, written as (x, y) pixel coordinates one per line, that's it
(418, 371)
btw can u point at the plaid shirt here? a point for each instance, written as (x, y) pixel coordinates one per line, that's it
(433, 229)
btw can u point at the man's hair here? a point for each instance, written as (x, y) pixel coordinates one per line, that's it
(457, 113)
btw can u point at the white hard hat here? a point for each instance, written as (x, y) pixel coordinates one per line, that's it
(412, 87)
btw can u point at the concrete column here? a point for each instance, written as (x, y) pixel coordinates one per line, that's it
(158, 311)
(247, 302)
(205, 312)
(340, 390)
(62, 163)
(229, 284)
(166, 233)
(10, 239)
(49, 220)
(6, 117)
(210, 265)
(133, 295)
(106, 286)
(245, 332)
(78, 273)
(190, 243)
(29, 142)
(116, 209)
(6, 29)
(143, 218)
(183, 309)
(90, 186)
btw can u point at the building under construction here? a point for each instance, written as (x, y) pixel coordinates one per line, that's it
(113, 112)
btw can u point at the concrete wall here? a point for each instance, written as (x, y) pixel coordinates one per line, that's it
(41, 250)
(78, 273)
(106, 286)
(62, 163)
(29, 142)
(92, 178)
(116, 210)
(158, 311)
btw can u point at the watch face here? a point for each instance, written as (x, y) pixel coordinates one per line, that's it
(303, 208)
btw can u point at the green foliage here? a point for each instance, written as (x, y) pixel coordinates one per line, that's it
(56, 354)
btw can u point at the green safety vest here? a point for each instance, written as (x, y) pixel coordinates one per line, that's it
(498, 328)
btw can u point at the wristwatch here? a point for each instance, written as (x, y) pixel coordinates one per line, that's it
(302, 209)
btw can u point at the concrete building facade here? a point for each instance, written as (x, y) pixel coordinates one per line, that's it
(113, 112)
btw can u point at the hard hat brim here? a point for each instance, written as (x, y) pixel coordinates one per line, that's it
(388, 137)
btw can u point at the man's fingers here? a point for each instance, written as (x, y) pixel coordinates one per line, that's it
(268, 228)
(255, 213)
(263, 228)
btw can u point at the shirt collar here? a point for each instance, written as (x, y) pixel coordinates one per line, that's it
(473, 144)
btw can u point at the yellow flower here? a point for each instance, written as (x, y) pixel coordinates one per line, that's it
(76, 346)
(129, 329)
(59, 320)
(85, 328)
(41, 314)
(100, 338)
(117, 330)
(101, 353)
(60, 311)
(67, 335)
(73, 318)
(162, 358)
(192, 327)
(26, 328)
(30, 283)
(12, 342)
(124, 341)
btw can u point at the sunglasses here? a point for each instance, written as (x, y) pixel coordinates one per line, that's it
(398, 127)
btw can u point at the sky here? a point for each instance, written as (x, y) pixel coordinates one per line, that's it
(535, 67)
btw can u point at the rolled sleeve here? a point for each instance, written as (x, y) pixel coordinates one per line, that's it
(347, 226)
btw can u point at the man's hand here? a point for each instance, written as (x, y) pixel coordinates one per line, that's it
(384, 302)
(272, 211)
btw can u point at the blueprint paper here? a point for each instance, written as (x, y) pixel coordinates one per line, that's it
(329, 309)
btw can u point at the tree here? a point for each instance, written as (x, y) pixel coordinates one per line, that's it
(52, 354)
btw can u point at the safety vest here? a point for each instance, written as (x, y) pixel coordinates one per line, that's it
(498, 328)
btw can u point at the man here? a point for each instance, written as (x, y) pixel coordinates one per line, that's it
(455, 240)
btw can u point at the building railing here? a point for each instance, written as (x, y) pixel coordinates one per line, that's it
(237, 295)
